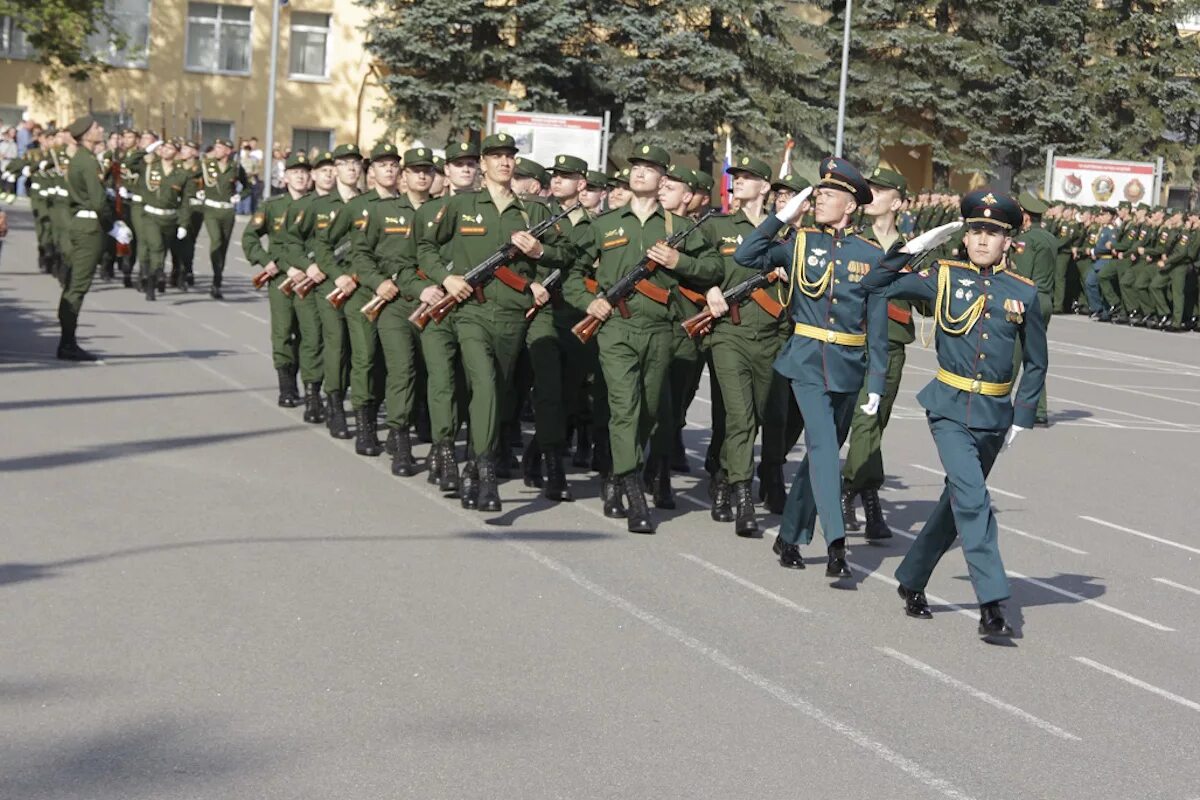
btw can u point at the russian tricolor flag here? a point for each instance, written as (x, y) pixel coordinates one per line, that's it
(726, 178)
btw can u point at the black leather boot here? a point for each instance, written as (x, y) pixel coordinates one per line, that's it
(679, 459)
(877, 529)
(403, 463)
(489, 494)
(789, 554)
(289, 395)
(389, 444)
(661, 491)
(365, 442)
(849, 518)
(468, 492)
(744, 523)
(915, 604)
(336, 419)
(531, 464)
(837, 567)
(638, 520)
(610, 493)
(992, 622)
(556, 478)
(718, 490)
(447, 465)
(582, 457)
(314, 411)
(151, 287)
(433, 464)
(771, 490)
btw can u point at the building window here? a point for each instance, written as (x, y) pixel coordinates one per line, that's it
(309, 48)
(218, 39)
(128, 43)
(13, 43)
(213, 129)
(306, 140)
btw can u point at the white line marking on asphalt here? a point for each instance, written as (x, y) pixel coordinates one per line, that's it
(1149, 536)
(1130, 391)
(204, 325)
(1183, 701)
(1168, 582)
(1128, 358)
(1096, 603)
(754, 587)
(1050, 542)
(1060, 399)
(979, 694)
(254, 317)
(991, 488)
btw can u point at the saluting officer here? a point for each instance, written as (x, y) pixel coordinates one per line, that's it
(224, 180)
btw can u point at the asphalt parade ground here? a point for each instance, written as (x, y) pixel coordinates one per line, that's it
(204, 597)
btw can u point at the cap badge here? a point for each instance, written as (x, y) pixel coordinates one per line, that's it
(645, 149)
(989, 199)
(745, 161)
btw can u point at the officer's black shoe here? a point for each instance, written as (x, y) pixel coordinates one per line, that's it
(174, 280)
(915, 604)
(289, 395)
(679, 459)
(489, 495)
(365, 443)
(718, 490)
(189, 278)
(1103, 316)
(837, 567)
(127, 280)
(638, 519)
(789, 554)
(215, 293)
(556, 478)
(1193, 324)
(660, 484)
(1143, 322)
(447, 464)
(849, 518)
(71, 351)
(744, 523)
(1121, 319)
(314, 409)
(468, 491)
(877, 528)
(150, 291)
(582, 457)
(336, 419)
(1170, 327)
(991, 621)
(771, 490)
(1163, 323)
(1135, 318)
(610, 494)
(162, 282)
(531, 464)
(403, 463)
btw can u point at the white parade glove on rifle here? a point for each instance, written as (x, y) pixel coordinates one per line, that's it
(872, 406)
(121, 232)
(930, 239)
(181, 233)
(792, 209)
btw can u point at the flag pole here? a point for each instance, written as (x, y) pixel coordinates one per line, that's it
(841, 118)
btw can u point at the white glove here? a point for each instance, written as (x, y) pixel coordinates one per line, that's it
(931, 239)
(26, 171)
(181, 233)
(1011, 436)
(792, 209)
(200, 195)
(121, 232)
(154, 146)
(43, 164)
(123, 192)
(872, 406)
(111, 194)
(235, 198)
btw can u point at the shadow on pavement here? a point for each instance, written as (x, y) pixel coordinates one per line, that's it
(57, 402)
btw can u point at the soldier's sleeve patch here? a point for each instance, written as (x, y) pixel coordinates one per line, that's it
(441, 213)
(258, 219)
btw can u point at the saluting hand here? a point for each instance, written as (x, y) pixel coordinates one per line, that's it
(718, 306)
(664, 255)
(528, 244)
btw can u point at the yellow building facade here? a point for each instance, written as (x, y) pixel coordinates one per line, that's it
(200, 69)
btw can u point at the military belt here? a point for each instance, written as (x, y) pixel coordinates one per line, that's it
(975, 386)
(83, 213)
(217, 204)
(159, 212)
(831, 337)
(137, 198)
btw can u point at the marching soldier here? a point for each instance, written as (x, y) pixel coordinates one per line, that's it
(164, 182)
(830, 353)
(1167, 307)
(183, 251)
(224, 180)
(1102, 245)
(981, 310)
(1033, 256)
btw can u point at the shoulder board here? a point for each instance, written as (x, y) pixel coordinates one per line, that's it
(1020, 278)
(947, 262)
(864, 239)
(809, 230)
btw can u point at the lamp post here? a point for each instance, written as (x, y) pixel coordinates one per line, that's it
(841, 118)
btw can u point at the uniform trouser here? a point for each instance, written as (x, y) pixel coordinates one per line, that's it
(138, 220)
(1091, 284)
(579, 366)
(490, 343)
(335, 349)
(683, 378)
(183, 251)
(1143, 275)
(965, 508)
(158, 235)
(401, 344)
(1128, 292)
(1018, 362)
(816, 491)
(1064, 294)
(366, 362)
(284, 327)
(86, 244)
(308, 320)
(445, 383)
(743, 366)
(783, 424)
(218, 223)
(548, 360)
(635, 362)
(864, 459)
(1167, 291)
(1109, 280)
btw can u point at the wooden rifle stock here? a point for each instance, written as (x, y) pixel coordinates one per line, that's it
(304, 288)
(420, 317)
(288, 287)
(261, 279)
(698, 325)
(374, 307)
(337, 298)
(586, 328)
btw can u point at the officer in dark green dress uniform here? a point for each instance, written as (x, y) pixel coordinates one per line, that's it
(86, 225)
(981, 309)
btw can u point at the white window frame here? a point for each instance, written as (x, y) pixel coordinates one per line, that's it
(248, 25)
(10, 29)
(327, 30)
(108, 52)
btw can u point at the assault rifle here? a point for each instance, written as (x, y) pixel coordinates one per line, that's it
(702, 323)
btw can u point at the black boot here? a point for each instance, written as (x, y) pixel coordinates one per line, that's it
(771, 490)
(489, 495)
(336, 423)
(366, 443)
(403, 463)
(877, 529)
(389, 444)
(215, 290)
(837, 567)
(849, 518)
(638, 520)
(314, 410)
(468, 492)
(664, 496)
(718, 490)
(992, 622)
(447, 464)
(531, 464)
(744, 523)
(71, 351)
(150, 289)
(433, 464)
(789, 554)
(915, 604)
(582, 457)
(679, 459)
(289, 395)
(610, 493)
(556, 478)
